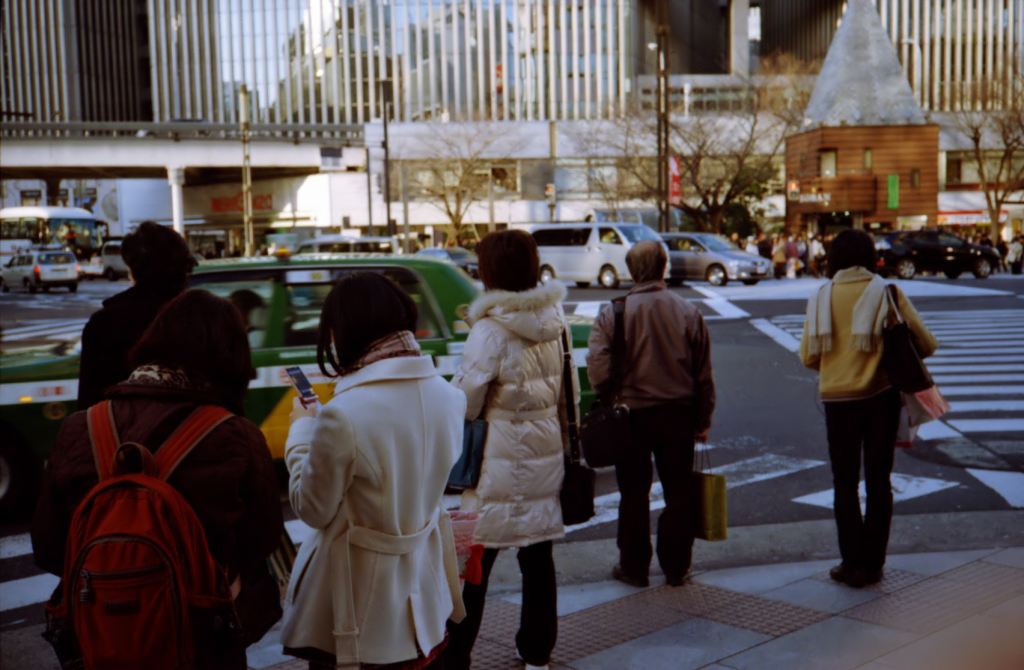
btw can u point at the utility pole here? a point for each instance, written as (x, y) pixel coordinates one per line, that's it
(386, 91)
(663, 127)
(247, 223)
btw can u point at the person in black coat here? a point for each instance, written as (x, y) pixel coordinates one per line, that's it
(160, 263)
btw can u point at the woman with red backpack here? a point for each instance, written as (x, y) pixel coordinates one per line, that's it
(128, 590)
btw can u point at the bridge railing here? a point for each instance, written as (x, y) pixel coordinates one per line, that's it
(346, 134)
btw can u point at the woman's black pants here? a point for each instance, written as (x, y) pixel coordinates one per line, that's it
(865, 427)
(538, 621)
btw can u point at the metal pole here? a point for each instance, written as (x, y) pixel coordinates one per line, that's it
(369, 189)
(402, 181)
(663, 144)
(386, 96)
(247, 223)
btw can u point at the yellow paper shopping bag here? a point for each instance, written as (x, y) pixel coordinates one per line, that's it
(709, 493)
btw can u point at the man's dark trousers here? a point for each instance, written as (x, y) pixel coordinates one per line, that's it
(667, 431)
(865, 426)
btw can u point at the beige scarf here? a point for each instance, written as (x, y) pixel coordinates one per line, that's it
(394, 345)
(869, 314)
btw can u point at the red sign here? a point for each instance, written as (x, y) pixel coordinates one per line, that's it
(234, 203)
(675, 182)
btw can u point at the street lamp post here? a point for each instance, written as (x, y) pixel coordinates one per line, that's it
(247, 222)
(663, 126)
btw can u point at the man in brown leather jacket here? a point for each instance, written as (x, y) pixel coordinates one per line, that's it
(667, 385)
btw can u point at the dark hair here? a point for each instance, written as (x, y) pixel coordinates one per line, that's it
(851, 248)
(508, 261)
(204, 336)
(158, 257)
(361, 308)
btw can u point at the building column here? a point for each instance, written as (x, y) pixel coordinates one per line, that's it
(739, 37)
(176, 178)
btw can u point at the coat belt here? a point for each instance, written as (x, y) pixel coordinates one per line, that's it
(520, 415)
(385, 543)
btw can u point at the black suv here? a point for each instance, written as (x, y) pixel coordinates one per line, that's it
(904, 254)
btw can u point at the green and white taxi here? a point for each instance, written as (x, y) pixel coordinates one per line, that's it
(280, 299)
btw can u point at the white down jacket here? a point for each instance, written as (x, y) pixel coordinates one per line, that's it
(511, 373)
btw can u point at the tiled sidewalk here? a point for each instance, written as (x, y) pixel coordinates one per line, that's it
(939, 611)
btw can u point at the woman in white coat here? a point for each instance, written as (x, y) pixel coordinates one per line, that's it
(511, 372)
(377, 582)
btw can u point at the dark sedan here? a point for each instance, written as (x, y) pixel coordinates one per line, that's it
(464, 258)
(904, 254)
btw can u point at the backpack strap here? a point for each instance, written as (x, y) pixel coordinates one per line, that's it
(103, 437)
(191, 432)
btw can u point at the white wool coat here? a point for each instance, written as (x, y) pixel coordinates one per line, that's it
(511, 373)
(368, 473)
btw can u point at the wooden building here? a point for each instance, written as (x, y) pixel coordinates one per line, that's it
(869, 158)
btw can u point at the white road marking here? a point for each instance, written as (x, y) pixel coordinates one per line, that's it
(760, 468)
(904, 487)
(779, 335)
(936, 430)
(1010, 485)
(589, 309)
(299, 531)
(975, 368)
(986, 406)
(973, 379)
(1000, 353)
(988, 425)
(20, 592)
(15, 545)
(950, 391)
(46, 325)
(726, 309)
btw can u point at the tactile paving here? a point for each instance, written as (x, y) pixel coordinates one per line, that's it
(933, 604)
(981, 572)
(500, 622)
(893, 580)
(489, 655)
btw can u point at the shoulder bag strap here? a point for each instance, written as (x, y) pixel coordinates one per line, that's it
(103, 436)
(570, 400)
(618, 346)
(193, 429)
(890, 292)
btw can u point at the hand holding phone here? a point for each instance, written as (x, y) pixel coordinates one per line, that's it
(307, 396)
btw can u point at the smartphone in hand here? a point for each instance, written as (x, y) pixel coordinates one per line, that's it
(307, 396)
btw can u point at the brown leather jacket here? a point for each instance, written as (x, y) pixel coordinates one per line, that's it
(668, 352)
(228, 479)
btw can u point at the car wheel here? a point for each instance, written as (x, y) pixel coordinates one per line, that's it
(17, 479)
(952, 274)
(582, 284)
(110, 274)
(32, 288)
(674, 282)
(715, 275)
(546, 273)
(905, 269)
(73, 288)
(608, 277)
(982, 268)
(751, 282)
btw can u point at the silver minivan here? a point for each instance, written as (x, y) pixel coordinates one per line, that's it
(588, 252)
(114, 267)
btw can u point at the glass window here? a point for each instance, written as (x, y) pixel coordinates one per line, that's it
(717, 242)
(609, 236)
(337, 247)
(251, 297)
(915, 178)
(948, 240)
(305, 301)
(827, 162)
(639, 232)
(868, 159)
(56, 259)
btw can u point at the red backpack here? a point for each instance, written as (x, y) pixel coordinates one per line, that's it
(139, 581)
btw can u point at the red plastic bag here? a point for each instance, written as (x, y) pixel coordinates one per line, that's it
(906, 431)
(469, 555)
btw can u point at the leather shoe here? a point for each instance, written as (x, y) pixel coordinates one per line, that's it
(854, 577)
(874, 576)
(618, 574)
(677, 581)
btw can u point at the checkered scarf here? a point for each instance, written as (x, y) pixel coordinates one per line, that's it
(394, 345)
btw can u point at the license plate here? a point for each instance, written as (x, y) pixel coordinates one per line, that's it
(60, 271)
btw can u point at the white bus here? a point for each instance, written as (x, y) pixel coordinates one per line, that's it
(72, 227)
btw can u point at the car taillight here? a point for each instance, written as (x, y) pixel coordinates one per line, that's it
(78, 268)
(36, 271)
(880, 262)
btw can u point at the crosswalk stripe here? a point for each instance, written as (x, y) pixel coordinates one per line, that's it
(27, 591)
(936, 430)
(975, 368)
(957, 358)
(988, 425)
(785, 339)
(48, 325)
(995, 351)
(904, 487)
(962, 379)
(1009, 485)
(55, 332)
(949, 391)
(986, 406)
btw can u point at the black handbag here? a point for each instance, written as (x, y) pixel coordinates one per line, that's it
(577, 495)
(465, 473)
(900, 359)
(605, 430)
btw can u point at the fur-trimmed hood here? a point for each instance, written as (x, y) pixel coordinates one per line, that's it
(535, 315)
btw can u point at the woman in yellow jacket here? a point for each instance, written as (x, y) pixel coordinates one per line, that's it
(843, 340)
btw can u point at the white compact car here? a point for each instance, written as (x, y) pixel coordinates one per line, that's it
(40, 269)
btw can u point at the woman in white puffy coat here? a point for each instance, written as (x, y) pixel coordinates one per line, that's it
(511, 373)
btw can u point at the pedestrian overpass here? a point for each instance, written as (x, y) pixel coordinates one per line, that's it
(183, 152)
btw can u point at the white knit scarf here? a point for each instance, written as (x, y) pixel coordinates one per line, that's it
(869, 314)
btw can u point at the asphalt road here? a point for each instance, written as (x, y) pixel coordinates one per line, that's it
(768, 433)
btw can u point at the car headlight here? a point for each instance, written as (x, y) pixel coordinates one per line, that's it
(882, 245)
(733, 264)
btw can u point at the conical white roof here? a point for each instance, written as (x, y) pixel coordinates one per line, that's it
(862, 82)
